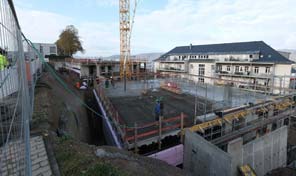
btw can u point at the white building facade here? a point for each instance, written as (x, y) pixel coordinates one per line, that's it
(45, 49)
(252, 65)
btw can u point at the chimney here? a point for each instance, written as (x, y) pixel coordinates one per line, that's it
(190, 46)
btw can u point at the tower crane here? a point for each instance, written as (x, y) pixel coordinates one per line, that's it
(126, 26)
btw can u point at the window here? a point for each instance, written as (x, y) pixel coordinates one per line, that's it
(41, 49)
(201, 80)
(213, 67)
(219, 67)
(191, 66)
(201, 69)
(241, 69)
(251, 56)
(246, 68)
(256, 70)
(267, 70)
(52, 50)
(228, 68)
(236, 68)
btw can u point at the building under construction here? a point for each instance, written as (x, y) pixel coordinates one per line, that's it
(217, 120)
(219, 115)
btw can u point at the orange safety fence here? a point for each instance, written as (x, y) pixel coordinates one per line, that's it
(155, 123)
(149, 133)
(153, 131)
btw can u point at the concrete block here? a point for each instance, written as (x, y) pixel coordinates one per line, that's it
(234, 149)
(203, 158)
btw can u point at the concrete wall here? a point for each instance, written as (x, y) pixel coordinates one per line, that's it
(203, 158)
(263, 154)
(84, 70)
(110, 134)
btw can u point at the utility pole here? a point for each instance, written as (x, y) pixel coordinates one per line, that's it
(195, 103)
(205, 107)
(159, 131)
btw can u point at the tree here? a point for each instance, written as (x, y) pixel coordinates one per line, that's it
(69, 42)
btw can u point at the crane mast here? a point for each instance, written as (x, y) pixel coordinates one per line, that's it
(125, 32)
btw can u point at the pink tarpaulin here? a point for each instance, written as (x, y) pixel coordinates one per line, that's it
(173, 155)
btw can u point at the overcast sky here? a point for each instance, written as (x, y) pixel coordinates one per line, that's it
(160, 25)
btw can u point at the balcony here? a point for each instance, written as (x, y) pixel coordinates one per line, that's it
(172, 69)
(243, 74)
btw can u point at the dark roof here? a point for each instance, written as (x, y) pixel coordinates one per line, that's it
(267, 54)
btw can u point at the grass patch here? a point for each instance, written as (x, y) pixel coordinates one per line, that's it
(73, 162)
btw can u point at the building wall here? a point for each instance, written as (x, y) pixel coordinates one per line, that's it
(203, 158)
(44, 49)
(193, 69)
(282, 82)
(266, 76)
(263, 154)
(250, 69)
(156, 66)
(84, 71)
(182, 66)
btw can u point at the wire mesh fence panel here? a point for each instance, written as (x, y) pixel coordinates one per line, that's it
(19, 70)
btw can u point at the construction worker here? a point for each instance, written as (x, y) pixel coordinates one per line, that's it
(3, 62)
(112, 81)
(106, 83)
(157, 110)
